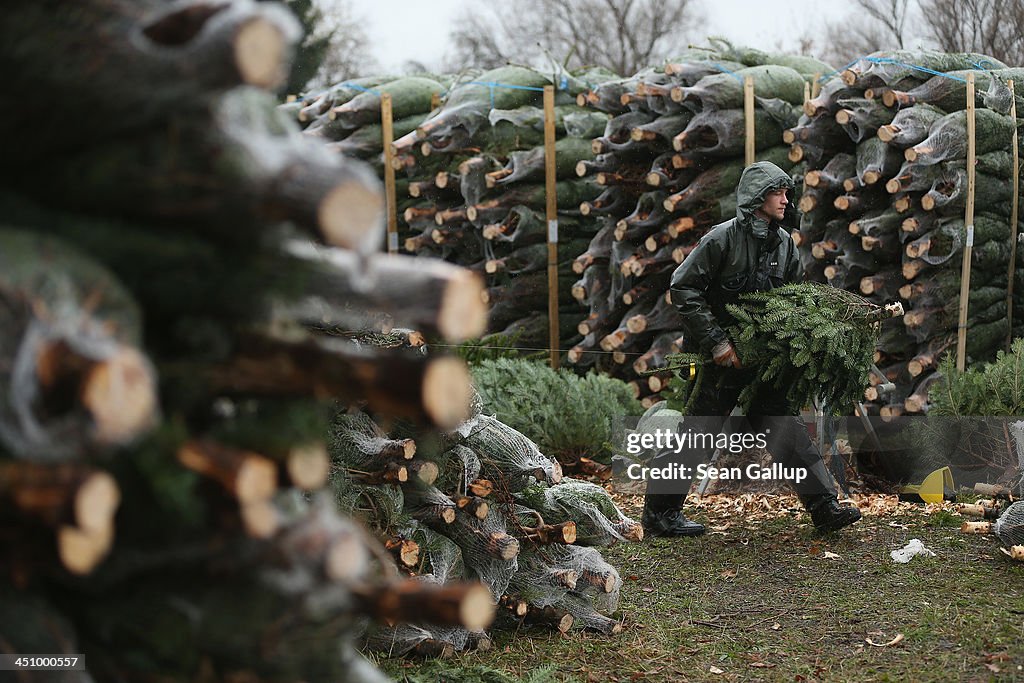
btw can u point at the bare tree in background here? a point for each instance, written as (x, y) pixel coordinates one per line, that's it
(992, 27)
(889, 17)
(872, 25)
(622, 35)
(335, 46)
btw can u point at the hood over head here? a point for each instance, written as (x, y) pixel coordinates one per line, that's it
(757, 180)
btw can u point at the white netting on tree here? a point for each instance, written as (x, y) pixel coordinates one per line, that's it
(357, 442)
(429, 504)
(458, 466)
(598, 520)
(1010, 525)
(488, 550)
(506, 456)
(383, 505)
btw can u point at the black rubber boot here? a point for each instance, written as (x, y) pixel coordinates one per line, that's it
(828, 515)
(667, 521)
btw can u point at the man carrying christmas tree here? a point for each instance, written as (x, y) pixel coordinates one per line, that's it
(752, 252)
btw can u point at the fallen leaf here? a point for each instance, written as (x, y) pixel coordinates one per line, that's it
(647, 589)
(776, 626)
(762, 665)
(894, 641)
(993, 668)
(813, 550)
(829, 556)
(716, 670)
(728, 574)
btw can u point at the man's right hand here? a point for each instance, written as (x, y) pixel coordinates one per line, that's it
(724, 354)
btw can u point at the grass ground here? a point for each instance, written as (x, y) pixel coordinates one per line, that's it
(762, 597)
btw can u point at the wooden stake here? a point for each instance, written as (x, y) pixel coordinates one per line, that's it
(748, 114)
(816, 86)
(1013, 219)
(965, 271)
(388, 134)
(552, 216)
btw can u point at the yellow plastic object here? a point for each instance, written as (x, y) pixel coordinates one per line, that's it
(934, 486)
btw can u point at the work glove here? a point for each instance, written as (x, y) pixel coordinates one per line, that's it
(724, 354)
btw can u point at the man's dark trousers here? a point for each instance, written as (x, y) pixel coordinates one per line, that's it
(769, 412)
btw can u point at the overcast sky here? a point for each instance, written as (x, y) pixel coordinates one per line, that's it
(403, 30)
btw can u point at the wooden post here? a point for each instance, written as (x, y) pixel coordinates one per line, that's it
(435, 100)
(965, 271)
(748, 114)
(1013, 219)
(552, 216)
(388, 134)
(816, 86)
(807, 91)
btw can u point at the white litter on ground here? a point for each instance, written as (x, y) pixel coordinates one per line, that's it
(907, 552)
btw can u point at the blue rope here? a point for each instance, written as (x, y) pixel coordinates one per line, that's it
(346, 84)
(492, 86)
(830, 74)
(505, 85)
(724, 70)
(355, 86)
(887, 60)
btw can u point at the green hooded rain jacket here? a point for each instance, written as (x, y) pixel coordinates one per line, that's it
(743, 254)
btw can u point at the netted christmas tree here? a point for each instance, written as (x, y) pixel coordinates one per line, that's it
(482, 502)
(814, 342)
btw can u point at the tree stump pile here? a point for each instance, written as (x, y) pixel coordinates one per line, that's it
(671, 157)
(879, 156)
(470, 175)
(481, 503)
(884, 207)
(176, 261)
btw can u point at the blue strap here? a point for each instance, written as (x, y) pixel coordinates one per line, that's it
(724, 70)
(359, 87)
(887, 60)
(492, 85)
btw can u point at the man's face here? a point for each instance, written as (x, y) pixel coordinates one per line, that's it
(775, 203)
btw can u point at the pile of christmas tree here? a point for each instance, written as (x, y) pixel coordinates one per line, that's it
(481, 503)
(167, 380)
(645, 165)
(881, 151)
(884, 205)
(670, 158)
(470, 176)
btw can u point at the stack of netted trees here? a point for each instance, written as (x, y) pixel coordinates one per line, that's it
(670, 160)
(884, 205)
(881, 151)
(471, 176)
(166, 383)
(481, 502)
